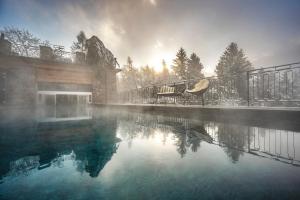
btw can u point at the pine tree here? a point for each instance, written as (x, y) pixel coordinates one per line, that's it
(129, 76)
(165, 74)
(180, 64)
(147, 75)
(80, 44)
(232, 66)
(232, 62)
(129, 62)
(194, 67)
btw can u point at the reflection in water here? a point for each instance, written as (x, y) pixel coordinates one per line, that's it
(233, 138)
(64, 112)
(154, 151)
(89, 143)
(92, 143)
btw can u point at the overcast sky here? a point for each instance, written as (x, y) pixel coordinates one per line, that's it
(152, 30)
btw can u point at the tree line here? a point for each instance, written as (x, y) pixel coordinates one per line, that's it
(232, 63)
(24, 43)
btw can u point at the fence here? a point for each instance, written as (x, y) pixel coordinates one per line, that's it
(278, 85)
(268, 143)
(235, 139)
(58, 51)
(271, 86)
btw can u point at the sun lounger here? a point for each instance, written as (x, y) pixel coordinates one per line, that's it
(199, 89)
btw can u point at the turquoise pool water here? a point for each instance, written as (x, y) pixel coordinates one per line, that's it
(103, 154)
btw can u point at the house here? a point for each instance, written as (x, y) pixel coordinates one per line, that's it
(46, 80)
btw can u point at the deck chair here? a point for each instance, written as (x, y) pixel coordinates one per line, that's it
(199, 89)
(167, 91)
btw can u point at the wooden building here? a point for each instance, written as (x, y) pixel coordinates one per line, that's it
(28, 81)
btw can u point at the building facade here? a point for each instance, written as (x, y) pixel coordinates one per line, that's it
(28, 81)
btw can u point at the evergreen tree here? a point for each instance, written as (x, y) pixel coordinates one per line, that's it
(81, 42)
(147, 76)
(194, 67)
(129, 76)
(129, 62)
(180, 64)
(232, 62)
(232, 66)
(165, 74)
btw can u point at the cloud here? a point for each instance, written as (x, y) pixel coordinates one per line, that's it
(153, 2)
(149, 29)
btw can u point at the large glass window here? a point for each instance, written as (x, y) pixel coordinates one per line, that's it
(82, 99)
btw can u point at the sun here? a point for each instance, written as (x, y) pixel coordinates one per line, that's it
(158, 57)
(153, 2)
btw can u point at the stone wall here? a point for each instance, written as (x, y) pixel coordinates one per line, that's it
(111, 86)
(104, 86)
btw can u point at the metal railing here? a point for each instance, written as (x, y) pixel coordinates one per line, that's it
(33, 51)
(235, 139)
(270, 86)
(263, 142)
(278, 85)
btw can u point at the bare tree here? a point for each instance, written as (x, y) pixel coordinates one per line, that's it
(23, 42)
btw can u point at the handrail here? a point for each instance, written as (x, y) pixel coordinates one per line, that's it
(276, 66)
(271, 86)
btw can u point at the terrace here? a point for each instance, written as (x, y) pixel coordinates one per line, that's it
(276, 86)
(159, 128)
(269, 95)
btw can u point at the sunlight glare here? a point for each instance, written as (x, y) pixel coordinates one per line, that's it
(156, 60)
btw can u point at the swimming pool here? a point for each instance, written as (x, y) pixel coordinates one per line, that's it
(104, 154)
